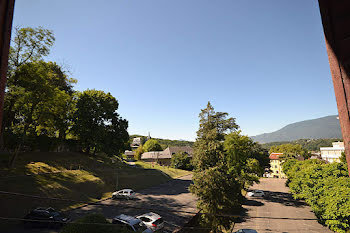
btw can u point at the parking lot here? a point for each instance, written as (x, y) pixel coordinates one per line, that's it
(171, 200)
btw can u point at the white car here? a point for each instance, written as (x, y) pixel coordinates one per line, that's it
(130, 223)
(152, 220)
(124, 193)
(256, 193)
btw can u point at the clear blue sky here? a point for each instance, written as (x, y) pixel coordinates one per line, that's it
(263, 62)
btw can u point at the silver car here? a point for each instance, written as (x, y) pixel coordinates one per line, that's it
(131, 223)
(152, 220)
(124, 193)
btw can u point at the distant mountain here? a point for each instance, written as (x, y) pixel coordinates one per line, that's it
(325, 127)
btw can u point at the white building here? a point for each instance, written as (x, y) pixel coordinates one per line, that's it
(332, 154)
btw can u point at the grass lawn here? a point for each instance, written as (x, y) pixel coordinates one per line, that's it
(85, 178)
(172, 172)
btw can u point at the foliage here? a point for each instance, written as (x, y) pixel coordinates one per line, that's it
(152, 145)
(225, 162)
(93, 223)
(308, 144)
(290, 151)
(325, 187)
(181, 161)
(98, 125)
(139, 151)
(167, 142)
(42, 108)
(29, 45)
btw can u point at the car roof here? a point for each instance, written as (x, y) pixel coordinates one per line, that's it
(129, 190)
(127, 218)
(151, 215)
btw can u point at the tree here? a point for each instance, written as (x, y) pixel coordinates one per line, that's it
(290, 151)
(218, 192)
(97, 124)
(152, 145)
(139, 151)
(181, 161)
(325, 187)
(33, 103)
(29, 45)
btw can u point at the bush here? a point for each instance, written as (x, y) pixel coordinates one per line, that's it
(152, 145)
(181, 161)
(85, 225)
(139, 151)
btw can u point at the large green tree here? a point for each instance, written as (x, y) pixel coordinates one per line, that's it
(225, 162)
(290, 151)
(35, 102)
(28, 45)
(218, 192)
(98, 125)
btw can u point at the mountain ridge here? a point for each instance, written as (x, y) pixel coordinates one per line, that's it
(324, 127)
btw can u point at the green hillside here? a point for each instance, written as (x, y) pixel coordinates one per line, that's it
(325, 127)
(167, 142)
(309, 144)
(85, 178)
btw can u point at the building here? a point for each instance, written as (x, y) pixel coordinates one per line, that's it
(136, 142)
(276, 166)
(129, 155)
(332, 154)
(164, 157)
(171, 150)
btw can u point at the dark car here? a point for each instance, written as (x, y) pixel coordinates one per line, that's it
(45, 217)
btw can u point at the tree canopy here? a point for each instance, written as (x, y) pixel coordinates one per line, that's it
(42, 109)
(181, 161)
(325, 187)
(290, 150)
(152, 145)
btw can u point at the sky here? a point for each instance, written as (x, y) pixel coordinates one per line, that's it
(263, 62)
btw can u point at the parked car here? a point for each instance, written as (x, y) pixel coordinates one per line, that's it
(131, 223)
(256, 193)
(245, 231)
(45, 217)
(152, 220)
(124, 193)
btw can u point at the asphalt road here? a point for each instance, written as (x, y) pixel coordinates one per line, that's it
(171, 200)
(278, 211)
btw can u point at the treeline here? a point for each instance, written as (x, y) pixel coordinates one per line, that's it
(43, 111)
(325, 187)
(164, 143)
(308, 144)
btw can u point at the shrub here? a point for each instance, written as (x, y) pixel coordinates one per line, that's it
(181, 161)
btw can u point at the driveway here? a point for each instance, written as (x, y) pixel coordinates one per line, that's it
(278, 211)
(171, 200)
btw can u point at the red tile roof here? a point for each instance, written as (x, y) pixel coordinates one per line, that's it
(275, 155)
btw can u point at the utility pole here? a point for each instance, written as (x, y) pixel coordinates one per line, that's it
(117, 179)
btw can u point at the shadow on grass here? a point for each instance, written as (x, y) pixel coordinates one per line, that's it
(96, 178)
